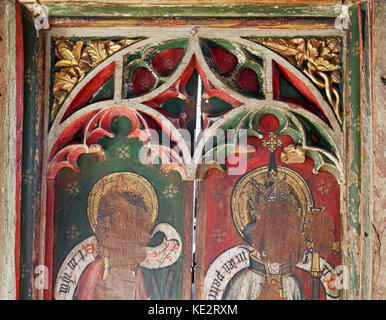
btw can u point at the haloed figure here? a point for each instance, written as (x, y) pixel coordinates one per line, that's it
(122, 233)
(279, 245)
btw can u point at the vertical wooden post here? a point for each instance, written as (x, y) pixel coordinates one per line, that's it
(11, 102)
(200, 242)
(188, 241)
(378, 150)
(31, 153)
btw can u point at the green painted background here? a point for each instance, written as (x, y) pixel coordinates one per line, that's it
(72, 190)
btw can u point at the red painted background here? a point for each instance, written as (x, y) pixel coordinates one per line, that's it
(220, 233)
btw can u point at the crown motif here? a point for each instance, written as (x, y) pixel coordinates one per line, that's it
(261, 187)
(271, 187)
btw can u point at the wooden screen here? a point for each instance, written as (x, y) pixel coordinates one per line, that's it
(146, 125)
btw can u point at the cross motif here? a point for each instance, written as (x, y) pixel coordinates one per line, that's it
(272, 142)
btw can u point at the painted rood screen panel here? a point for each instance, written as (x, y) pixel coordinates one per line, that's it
(135, 119)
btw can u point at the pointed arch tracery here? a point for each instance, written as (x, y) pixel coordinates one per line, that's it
(156, 78)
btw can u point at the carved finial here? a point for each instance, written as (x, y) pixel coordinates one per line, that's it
(293, 154)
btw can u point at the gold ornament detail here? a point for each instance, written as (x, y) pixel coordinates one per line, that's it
(318, 59)
(76, 59)
(256, 189)
(272, 142)
(293, 154)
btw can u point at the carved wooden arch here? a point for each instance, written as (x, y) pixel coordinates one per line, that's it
(193, 49)
(96, 118)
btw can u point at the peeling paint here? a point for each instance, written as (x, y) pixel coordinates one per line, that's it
(354, 203)
(8, 146)
(378, 227)
(354, 277)
(202, 11)
(30, 159)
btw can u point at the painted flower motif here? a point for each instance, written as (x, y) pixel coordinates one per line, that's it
(123, 152)
(324, 188)
(218, 235)
(355, 124)
(170, 191)
(73, 188)
(23, 271)
(72, 233)
(28, 176)
(28, 76)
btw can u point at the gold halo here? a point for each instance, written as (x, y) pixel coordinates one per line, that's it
(239, 199)
(122, 182)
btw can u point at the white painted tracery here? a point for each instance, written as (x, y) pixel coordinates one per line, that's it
(191, 162)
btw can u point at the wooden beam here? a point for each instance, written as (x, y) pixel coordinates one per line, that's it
(198, 2)
(103, 10)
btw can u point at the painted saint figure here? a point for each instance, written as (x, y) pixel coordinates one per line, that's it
(273, 211)
(122, 211)
(279, 246)
(122, 233)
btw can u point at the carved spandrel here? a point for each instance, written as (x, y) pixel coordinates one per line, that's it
(75, 60)
(318, 59)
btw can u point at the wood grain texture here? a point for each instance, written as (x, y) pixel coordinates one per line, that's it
(261, 23)
(8, 147)
(83, 9)
(19, 69)
(379, 150)
(31, 155)
(199, 272)
(188, 242)
(197, 2)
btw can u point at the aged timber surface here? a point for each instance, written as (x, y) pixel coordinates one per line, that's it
(7, 156)
(379, 151)
(66, 9)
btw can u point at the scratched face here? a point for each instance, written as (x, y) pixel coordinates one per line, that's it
(124, 233)
(277, 235)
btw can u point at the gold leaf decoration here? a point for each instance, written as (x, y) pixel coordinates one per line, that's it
(318, 59)
(75, 60)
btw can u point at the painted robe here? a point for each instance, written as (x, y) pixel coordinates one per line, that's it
(94, 273)
(246, 285)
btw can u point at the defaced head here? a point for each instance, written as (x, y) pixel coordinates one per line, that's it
(123, 228)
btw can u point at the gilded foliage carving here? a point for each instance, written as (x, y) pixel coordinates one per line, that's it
(318, 59)
(75, 60)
